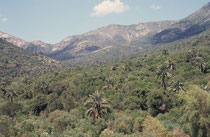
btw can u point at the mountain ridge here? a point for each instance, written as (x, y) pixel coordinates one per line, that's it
(110, 35)
(193, 24)
(36, 46)
(119, 40)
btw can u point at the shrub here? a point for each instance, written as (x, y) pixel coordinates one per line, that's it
(137, 127)
(27, 126)
(5, 124)
(38, 104)
(60, 120)
(124, 124)
(196, 112)
(10, 109)
(158, 102)
(152, 126)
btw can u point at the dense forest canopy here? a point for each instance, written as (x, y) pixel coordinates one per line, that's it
(161, 93)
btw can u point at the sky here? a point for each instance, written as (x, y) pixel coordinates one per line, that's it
(53, 20)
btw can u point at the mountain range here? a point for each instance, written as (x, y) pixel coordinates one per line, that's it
(117, 41)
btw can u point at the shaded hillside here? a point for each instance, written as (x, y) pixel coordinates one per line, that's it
(15, 62)
(189, 26)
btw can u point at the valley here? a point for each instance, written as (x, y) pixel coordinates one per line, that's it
(142, 80)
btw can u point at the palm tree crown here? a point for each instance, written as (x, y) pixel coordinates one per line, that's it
(177, 86)
(9, 94)
(171, 65)
(97, 106)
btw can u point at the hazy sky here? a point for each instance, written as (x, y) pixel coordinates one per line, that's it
(53, 20)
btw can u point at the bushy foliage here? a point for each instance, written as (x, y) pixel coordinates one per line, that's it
(153, 127)
(158, 102)
(54, 104)
(196, 112)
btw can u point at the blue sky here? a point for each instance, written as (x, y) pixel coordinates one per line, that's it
(54, 20)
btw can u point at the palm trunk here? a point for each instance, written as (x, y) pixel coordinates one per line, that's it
(11, 99)
(164, 84)
(201, 68)
(98, 111)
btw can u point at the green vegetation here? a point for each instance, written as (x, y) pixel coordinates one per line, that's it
(97, 106)
(9, 94)
(15, 62)
(134, 102)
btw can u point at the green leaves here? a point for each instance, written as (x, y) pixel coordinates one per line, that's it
(9, 94)
(98, 107)
(196, 112)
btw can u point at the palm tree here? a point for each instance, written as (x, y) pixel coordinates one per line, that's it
(163, 74)
(171, 65)
(191, 54)
(165, 52)
(200, 64)
(110, 83)
(9, 94)
(97, 106)
(177, 86)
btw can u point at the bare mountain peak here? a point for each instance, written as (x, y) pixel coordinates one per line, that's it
(40, 43)
(14, 40)
(35, 46)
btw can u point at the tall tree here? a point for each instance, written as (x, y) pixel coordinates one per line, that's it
(165, 53)
(97, 106)
(199, 62)
(163, 74)
(191, 54)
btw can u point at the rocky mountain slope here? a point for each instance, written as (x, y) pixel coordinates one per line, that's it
(106, 39)
(35, 46)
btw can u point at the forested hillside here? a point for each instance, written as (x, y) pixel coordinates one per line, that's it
(15, 62)
(164, 93)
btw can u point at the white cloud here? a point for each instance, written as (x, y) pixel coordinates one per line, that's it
(155, 7)
(108, 7)
(3, 19)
